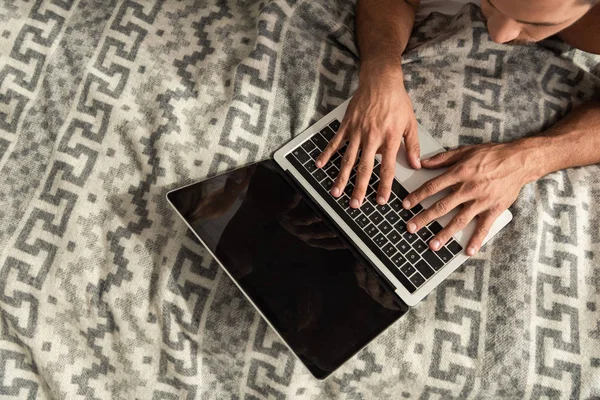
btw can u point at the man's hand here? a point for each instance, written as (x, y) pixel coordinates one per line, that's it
(486, 179)
(379, 115)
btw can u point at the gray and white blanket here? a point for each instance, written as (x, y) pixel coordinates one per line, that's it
(107, 105)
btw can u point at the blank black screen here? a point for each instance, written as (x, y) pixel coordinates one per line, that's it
(322, 298)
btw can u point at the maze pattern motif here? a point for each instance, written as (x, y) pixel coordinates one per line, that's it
(107, 105)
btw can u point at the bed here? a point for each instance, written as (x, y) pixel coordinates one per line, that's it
(107, 105)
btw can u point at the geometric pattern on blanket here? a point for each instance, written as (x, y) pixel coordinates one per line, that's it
(105, 106)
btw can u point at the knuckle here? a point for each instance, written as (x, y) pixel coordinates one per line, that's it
(441, 207)
(430, 187)
(384, 187)
(461, 220)
(482, 231)
(386, 170)
(346, 159)
(363, 169)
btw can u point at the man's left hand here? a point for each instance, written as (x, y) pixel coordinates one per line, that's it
(486, 179)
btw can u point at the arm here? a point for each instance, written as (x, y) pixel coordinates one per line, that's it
(380, 113)
(487, 178)
(383, 29)
(585, 34)
(572, 142)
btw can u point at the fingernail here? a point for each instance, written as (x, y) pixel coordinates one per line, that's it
(471, 251)
(412, 227)
(419, 162)
(319, 163)
(406, 204)
(381, 200)
(354, 203)
(335, 191)
(435, 244)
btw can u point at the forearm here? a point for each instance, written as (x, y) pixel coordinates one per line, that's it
(572, 142)
(383, 29)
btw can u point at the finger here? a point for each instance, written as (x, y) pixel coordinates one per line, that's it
(348, 160)
(387, 172)
(430, 188)
(445, 158)
(484, 225)
(413, 150)
(439, 208)
(334, 145)
(363, 174)
(458, 223)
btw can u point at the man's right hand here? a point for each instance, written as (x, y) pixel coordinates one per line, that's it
(378, 117)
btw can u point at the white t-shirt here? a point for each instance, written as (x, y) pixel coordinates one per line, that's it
(448, 7)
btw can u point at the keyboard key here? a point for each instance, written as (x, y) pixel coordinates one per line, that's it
(349, 189)
(392, 217)
(399, 261)
(337, 161)
(334, 125)
(410, 237)
(412, 257)
(376, 218)
(301, 155)
(362, 221)
(398, 190)
(327, 184)
(332, 171)
(424, 269)
(370, 191)
(444, 255)
(319, 141)
(371, 230)
(435, 227)
(401, 227)
(403, 246)
(406, 215)
(319, 175)
(373, 179)
(454, 247)
(385, 227)
(327, 133)
(367, 208)
(432, 260)
(353, 212)
(407, 269)
(376, 168)
(419, 246)
(417, 209)
(389, 250)
(380, 240)
(417, 280)
(310, 166)
(344, 202)
(396, 205)
(308, 146)
(383, 208)
(315, 154)
(425, 234)
(394, 236)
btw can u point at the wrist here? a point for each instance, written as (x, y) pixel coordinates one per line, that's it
(536, 157)
(383, 69)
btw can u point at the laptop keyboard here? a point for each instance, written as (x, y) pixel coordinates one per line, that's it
(382, 228)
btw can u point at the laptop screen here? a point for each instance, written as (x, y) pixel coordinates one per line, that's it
(305, 278)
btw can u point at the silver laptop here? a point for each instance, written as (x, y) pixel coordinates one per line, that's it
(328, 278)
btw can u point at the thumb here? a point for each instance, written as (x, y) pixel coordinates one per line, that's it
(413, 151)
(445, 158)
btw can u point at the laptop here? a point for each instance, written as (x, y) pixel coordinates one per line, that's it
(326, 277)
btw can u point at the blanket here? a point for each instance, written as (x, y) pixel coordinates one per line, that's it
(105, 105)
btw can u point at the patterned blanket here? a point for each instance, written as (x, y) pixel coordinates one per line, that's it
(104, 294)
